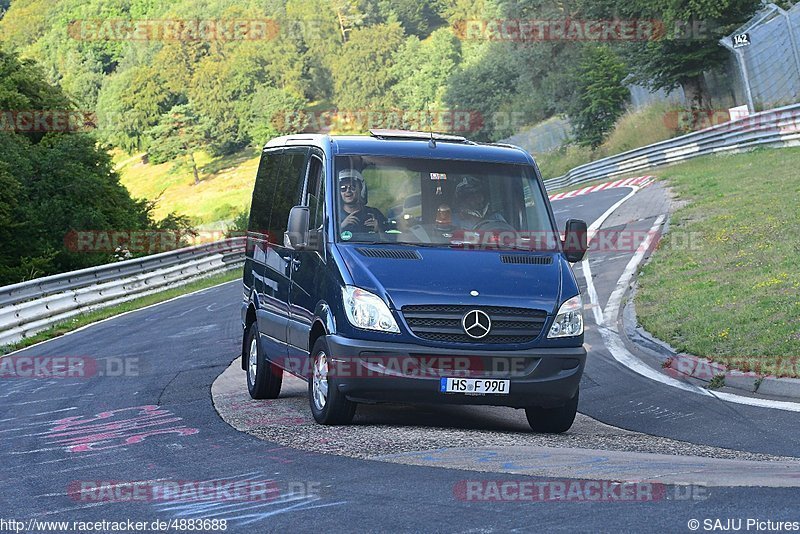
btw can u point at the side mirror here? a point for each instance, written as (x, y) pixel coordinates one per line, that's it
(296, 236)
(575, 240)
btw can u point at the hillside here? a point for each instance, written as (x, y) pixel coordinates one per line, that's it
(224, 190)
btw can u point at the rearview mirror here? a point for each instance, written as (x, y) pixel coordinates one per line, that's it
(575, 240)
(297, 228)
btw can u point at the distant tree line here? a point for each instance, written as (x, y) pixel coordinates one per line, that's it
(361, 54)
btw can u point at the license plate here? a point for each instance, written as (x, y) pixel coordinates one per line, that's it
(474, 386)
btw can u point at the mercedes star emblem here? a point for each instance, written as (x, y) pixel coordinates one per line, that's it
(476, 324)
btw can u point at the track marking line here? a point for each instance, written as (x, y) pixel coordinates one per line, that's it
(614, 301)
(587, 271)
(590, 289)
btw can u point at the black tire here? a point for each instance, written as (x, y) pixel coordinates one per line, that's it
(264, 378)
(332, 408)
(553, 420)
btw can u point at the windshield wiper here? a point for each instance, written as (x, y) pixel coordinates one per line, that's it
(429, 245)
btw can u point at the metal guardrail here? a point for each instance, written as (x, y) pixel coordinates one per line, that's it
(29, 307)
(776, 127)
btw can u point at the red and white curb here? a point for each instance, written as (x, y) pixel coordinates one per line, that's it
(639, 181)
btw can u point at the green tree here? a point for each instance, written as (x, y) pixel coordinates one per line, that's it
(314, 26)
(418, 18)
(484, 88)
(177, 61)
(690, 45)
(25, 22)
(82, 79)
(268, 111)
(600, 96)
(352, 14)
(178, 135)
(422, 69)
(225, 81)
(511, 83)
(362, 74)
(130, 103)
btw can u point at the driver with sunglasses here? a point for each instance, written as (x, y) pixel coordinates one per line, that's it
(354, 214)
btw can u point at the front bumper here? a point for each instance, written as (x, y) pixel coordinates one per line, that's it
(368, 371)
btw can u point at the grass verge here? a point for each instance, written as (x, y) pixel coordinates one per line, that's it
(729, 291)
(104, 313)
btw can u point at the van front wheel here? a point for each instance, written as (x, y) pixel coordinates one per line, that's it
(328, 405)
(553, 420)
(263, 377)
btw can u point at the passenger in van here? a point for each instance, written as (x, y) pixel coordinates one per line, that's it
(472, 205)
(354, 214)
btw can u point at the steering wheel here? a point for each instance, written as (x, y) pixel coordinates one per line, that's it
(494, 225)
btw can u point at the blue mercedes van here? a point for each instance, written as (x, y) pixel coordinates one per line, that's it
(411, 267)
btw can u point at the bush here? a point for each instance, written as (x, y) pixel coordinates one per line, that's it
(238, 226)
(600, 96)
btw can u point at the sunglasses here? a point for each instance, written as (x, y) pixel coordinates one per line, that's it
(351, 186)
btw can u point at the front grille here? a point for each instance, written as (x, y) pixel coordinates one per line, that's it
(443, 323)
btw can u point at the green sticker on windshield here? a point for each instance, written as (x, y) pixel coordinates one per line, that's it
(347, 235)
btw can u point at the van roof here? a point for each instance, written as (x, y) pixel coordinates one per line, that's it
(409, 145)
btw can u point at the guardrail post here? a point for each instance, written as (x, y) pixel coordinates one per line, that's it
(742, 64)
(793, 40)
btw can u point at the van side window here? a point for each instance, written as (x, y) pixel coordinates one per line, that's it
(315, 200)
(277, 190)
(262, 194)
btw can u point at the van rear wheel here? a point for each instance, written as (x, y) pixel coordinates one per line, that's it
(264, 378)
(328, 405)
(553, 420)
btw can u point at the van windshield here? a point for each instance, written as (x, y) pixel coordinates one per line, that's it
(429, 202)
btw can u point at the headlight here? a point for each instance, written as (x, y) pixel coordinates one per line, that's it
(569, 319)
(366, 310)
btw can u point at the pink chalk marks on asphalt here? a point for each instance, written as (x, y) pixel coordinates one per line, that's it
(115, 428)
